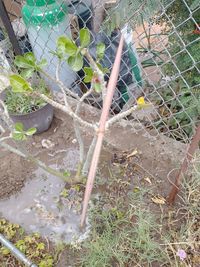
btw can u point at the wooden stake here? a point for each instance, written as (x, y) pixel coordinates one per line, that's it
(100, 133)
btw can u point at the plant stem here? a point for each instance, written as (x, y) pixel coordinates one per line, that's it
(99, 72)
(60, 84)
(77, 128)
(120, 116)
(67, 110)
(89, 156)
(39, 163)
(80, 142)
(2, 130)
(6, 116)
(5, 138)
(147, 36)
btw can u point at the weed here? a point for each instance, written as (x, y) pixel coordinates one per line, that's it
(184, 229)
(123, 236)
(33, 246)
(22, 103)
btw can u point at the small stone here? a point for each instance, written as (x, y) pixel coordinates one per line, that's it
(47, 144)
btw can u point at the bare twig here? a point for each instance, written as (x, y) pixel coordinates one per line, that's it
(5, 115)
(5, 109)
(61, 84)
(4, 81)
(80, 142)
(120, 116)
(39, 163)
(77, 129)
(89, 155)
(67, 110)
(2, 130)
(82, 99)
(5, 138)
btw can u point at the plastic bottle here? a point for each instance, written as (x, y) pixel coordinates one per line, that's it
(46, 20)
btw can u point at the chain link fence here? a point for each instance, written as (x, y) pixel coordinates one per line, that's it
(161, 56)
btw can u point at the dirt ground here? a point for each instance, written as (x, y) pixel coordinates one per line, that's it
(131, 158)
(13, 173)
(157, 154)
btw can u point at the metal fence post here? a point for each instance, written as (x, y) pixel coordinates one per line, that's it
(7, 24)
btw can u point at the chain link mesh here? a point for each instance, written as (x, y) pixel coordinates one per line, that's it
(164, 52)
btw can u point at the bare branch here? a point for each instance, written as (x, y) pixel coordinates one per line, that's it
(2, 130)
(5, 108)
(120, 116)
(5, 138)
(5, 115)
(39, 163)
(82, 99)
(77, 128)
(89, 156)
(61, 85)
(67, 110)
(80, 142)
(4, 80)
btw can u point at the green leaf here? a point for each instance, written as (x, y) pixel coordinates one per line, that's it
(18, 136)
(57, 54)
(84, 37)
(104, 70)
(30, 56)
(31, 131)
(66, 46)
(22, 62)
(41, 246)
(19, 127)
(64, 193)
(76, 62)
(66, 173)
(27, 73)
(97, 87)
(88, 74)
(5, 251)
(42, 63)
(46, 263)
(100, 50)
(19, 84)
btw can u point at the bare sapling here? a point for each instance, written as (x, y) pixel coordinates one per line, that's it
(21, 82)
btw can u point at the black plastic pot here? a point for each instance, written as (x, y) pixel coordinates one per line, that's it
(40, 119)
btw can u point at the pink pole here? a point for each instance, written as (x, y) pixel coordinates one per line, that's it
(104, 115)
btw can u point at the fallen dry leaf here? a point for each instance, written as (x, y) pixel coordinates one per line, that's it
(132, 154)
(158, 200)
(147, 179)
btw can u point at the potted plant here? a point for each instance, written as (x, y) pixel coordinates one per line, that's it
(30, 110)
